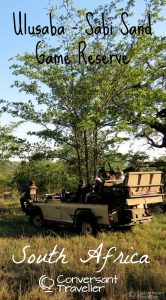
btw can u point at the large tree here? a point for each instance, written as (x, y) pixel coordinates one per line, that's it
(83, 106)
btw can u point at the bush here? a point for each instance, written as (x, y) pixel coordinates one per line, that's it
(49, 176)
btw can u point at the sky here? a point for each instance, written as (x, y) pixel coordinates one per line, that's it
(11, 44)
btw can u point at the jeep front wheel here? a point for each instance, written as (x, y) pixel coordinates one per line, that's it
(37, 220)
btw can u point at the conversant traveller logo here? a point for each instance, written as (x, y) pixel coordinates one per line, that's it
(76, 284)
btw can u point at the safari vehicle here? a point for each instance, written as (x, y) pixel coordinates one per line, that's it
(120, 204)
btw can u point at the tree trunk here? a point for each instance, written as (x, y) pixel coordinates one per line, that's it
(78, 157)
(79, 164)
(95, 152)
(86, 157)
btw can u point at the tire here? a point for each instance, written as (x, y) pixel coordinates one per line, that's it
(36, 219)
(86, 227)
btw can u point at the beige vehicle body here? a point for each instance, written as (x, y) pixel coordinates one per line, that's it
(120, 204)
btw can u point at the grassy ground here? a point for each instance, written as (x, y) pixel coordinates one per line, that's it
(21, 281)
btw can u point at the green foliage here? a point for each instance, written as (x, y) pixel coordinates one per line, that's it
(10, 146)
(129, 161)
(6, 172)
(143, 91)
(136, 160)
(162, 166)
(49, 176)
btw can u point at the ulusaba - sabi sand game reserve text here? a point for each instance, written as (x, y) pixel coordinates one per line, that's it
(21, 27)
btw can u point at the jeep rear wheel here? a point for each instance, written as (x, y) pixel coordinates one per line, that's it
(37, 220)
(87, 227)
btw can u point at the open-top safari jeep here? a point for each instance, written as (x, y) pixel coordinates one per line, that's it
(119, 204)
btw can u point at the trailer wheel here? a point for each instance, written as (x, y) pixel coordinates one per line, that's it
(36, 219)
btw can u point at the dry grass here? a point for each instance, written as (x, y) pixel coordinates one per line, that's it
(21, 281)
